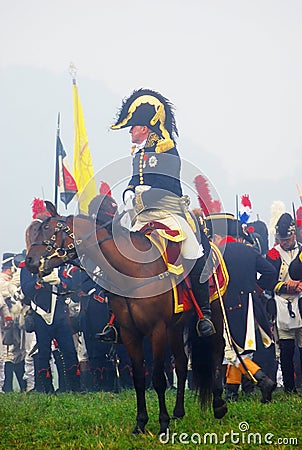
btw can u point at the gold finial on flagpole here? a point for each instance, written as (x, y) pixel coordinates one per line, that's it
(73, 72)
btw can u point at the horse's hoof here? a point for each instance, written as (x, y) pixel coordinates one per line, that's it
(177, 417)
(138, 430)
(220, 409)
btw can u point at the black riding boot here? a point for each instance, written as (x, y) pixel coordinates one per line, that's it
(204, 326)
(287, 349)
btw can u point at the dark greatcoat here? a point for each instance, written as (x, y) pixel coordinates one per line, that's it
(243, 264)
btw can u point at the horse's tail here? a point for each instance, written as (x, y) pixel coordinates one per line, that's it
(202, 367)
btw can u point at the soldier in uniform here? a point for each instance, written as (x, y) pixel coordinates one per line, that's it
(47, 299)
(243, 262)
(154, 193)
(14, 336)
(286, 293)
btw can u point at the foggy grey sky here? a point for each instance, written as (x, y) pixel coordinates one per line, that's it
(232, 68)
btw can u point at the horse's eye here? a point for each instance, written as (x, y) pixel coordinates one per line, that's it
(46, 227)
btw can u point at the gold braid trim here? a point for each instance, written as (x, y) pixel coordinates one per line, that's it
(153, 138)
(219, 261)
(162, 145)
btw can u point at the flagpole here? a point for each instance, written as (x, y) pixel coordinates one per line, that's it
(82, 161)
(237, 218)
(57, 163)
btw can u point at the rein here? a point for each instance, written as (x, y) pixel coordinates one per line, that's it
(69, 253)
(62, 252)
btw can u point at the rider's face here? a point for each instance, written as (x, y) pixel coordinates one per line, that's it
(139, 134)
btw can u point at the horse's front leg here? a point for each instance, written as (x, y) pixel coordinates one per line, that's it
(158, 341)
(134, 347)
(176, 343)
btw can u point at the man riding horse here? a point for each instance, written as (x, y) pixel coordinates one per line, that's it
(154, 194)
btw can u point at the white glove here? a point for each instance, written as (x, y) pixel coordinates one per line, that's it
(52, 278)
(128, 200)
(142, 188)
(128, 194)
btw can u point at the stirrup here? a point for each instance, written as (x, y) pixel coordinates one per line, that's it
(208, 326)
(104, 336)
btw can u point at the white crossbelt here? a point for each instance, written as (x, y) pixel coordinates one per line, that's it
(47, 316)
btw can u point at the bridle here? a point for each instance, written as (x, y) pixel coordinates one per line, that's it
(69, 253)
(65, 252)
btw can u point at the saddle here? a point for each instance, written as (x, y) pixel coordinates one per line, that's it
(168, 242)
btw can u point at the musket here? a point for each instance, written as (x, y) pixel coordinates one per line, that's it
(294, 215)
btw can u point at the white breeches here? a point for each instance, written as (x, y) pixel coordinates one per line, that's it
(190, 248)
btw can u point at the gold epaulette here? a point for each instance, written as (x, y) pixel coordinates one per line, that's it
(164, 145)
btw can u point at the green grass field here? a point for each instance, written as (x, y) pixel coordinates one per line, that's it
(105, 421)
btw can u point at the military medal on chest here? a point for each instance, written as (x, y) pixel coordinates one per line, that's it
(152, 161)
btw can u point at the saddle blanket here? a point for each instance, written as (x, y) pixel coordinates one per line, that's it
(168, 243)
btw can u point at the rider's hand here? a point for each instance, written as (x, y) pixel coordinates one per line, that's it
(52, 278)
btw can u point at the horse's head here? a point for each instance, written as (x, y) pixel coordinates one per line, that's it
(49, 241)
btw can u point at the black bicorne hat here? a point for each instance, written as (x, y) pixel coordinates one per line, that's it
(285, 226)
(148, 108)
(220, 223)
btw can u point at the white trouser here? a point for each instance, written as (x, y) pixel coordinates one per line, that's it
(190, 248)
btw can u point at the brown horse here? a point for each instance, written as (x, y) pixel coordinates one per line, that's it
(142, 301)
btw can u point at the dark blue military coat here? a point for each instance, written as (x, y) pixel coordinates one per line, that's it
(158, 170)
(243, 264)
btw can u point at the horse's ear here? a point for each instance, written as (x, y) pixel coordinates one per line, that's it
(51, 208)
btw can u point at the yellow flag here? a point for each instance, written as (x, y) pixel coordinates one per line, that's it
(82, 161)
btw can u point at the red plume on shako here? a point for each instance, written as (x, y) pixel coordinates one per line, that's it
(38, 208)
(105, 189)
(206, 202)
